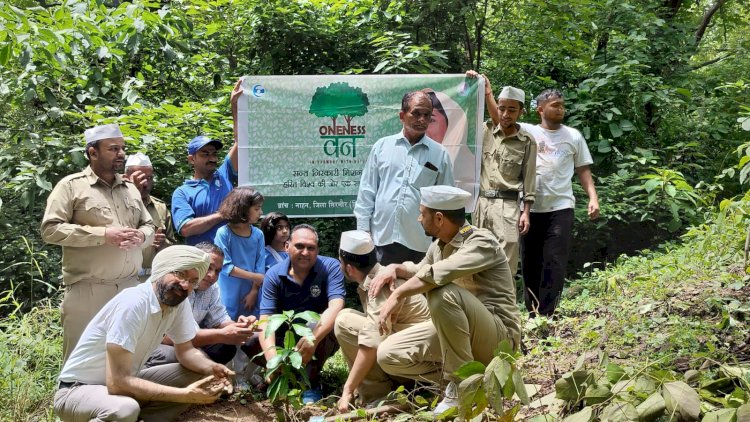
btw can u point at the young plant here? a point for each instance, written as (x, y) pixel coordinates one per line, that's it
(285, 369)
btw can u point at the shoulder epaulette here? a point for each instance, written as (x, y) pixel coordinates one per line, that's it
(465, 231)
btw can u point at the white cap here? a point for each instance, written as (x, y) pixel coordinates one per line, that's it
(356, 242)
(512, 93)
(138, 159)
(445, 198)
(98, 133)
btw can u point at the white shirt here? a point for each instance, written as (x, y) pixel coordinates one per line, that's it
(134, 321)
(559, 153)
(388, 201)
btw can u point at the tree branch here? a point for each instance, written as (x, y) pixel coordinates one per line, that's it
(710, 62)
(706, 20)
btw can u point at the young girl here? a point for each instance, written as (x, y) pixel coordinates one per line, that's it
(244, 256)
(276, 229)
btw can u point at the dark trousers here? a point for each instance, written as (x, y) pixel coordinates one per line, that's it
(164, 354)
(545, 250)
(396, 253)
(326, 348)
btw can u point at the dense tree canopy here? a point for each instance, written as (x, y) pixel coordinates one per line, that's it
(657, 87)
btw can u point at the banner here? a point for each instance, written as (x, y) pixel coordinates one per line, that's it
(304, 140)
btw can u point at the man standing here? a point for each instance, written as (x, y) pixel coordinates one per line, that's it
(218, 336)
(104, 379)
(302, 282)
(561, 151)
(398, 165)
(139, 170)
(508, 171)
(470, 290)
(357, 332)
(101, 223)
(195, 204)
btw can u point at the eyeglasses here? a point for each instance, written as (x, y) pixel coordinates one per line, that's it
(182, 278)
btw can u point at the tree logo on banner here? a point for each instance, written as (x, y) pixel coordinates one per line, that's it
(335, 100)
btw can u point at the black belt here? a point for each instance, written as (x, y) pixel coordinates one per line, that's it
(501, 194)
(64, 384)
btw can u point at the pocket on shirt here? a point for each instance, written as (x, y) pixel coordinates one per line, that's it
(424, 177)
(133, 212)
(93, 212)
(510, 166)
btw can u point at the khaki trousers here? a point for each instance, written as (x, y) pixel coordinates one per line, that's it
(81, 302)
(466, 329)
(84, 402)
(412, 353)
(500, 216)
(376, 384)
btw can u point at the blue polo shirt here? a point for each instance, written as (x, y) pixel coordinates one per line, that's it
(280, 293)
(199, 198)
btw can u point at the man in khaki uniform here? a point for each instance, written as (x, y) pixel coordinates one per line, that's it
(470, 291)
(101, 223)
(508, 169)
(357, 332)
(139, 170)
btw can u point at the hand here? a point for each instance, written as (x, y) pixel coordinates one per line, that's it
(250, 299)
(206, 390)
(346, 398)
(306, 348)
(523, 224)
(384, 322)
(139, 180)
(236, 333)
(124, 238)
(473, 74)
(386, 276)
(247, 322)
(593, 209)
(221, 372)
(159, 238)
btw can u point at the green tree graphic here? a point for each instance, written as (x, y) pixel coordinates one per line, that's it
(339, 99)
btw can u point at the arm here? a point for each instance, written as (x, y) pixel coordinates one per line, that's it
(489, 98)
(529, 185)
(245, 274)
(587, 182)
(236, 333)
(199, 225)
(322, 329)
(267, 344)
(120, 381)
(363, 363)
(56, 227)
(411, 287)
(368, 188)
(196, 361)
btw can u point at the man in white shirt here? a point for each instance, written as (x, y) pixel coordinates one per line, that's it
(398, 166)
(103, 378)
(561, 151)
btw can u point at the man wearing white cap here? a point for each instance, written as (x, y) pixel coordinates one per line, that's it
(101, 223)
(104, 378)
(508, 171)
(195, 204)
(139, 170)
(470, 291)
(561, 152)
(357, 332)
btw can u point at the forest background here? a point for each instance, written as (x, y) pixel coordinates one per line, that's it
(659, 89)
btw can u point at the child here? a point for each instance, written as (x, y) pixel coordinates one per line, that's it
(276, 229)
(244, 256)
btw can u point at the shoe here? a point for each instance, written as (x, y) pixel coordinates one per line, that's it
(312, 396)
(449, 400)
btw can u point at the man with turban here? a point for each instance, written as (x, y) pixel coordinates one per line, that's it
(104, 377)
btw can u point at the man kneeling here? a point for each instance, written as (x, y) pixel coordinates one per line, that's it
(357, 332)
(103, 378)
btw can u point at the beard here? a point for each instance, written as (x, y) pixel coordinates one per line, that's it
(170, 294)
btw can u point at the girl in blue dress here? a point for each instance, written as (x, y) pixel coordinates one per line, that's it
(276, 229)
(244, 253)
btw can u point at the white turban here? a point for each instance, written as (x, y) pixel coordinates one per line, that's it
(179, 258)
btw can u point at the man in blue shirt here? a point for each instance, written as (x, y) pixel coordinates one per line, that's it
(302, 282)
(196, 202)
(388, 200)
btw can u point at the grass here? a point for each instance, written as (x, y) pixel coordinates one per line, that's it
(681, 308)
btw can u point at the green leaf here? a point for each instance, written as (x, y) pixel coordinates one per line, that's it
(296, 360)
(615, 373)
(274, 322)
(469, 368)
(626, 125)
(614, 128)
(743, 413)
(289, 340)
(273, 363)
(604, 146)
(309, 316)
(5, 53)
(651, 408)
(721, 415)
(619, 412)
(585, 415)
(681, 400)
(521, 392)
(471, 398)
(596, 393)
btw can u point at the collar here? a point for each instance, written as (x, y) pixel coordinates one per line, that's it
(499, 130)
(154, 306)
(421, 141)
(368, 278)
(465, 231)
(92, 178)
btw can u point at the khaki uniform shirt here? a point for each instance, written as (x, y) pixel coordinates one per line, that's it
(162, 219)
(413, 311)
(508, 163)
(474, 260)
(79, 209)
